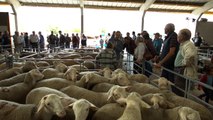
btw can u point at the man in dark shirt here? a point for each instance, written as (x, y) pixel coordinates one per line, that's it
(169, 52)
(197, 39)
(129, 44)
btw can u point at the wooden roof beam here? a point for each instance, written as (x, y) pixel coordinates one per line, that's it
(146, 5)
(203, 9)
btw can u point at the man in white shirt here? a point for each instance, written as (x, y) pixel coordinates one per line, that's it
(34, 41)
(186, 61)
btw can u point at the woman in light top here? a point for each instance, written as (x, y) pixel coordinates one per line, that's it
(138, 54)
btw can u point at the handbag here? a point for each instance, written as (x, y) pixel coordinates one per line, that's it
(147, 55)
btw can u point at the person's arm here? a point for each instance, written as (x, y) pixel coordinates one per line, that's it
(167, 57)
(189, 55)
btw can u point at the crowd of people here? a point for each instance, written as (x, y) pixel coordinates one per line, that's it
(176, 52)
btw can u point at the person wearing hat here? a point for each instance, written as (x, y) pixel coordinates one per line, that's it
(157, 42)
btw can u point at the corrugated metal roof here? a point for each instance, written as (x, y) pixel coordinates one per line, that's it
(158, 5)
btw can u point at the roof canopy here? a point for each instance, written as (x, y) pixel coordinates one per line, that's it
(188, 6)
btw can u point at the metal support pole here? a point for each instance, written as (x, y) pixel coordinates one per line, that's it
(142, 22)
(15, 15)
(82, 20)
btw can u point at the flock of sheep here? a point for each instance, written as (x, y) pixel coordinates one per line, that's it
(57, 90)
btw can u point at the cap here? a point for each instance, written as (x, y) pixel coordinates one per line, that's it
(157, 34)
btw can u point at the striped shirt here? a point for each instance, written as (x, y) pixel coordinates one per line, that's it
(107, 58)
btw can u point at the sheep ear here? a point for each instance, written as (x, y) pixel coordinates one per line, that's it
(93, 107)
(144, 104)
(65, 74)
(169, 82)
(128, 88)
(121, 101)
(155, 81)
(193, 115)
(87, 76)
(67, 101)
(170, 105)
(155, 106)
(70, 106)
(41, 104)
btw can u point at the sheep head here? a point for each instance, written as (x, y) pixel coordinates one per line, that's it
(163, 83)
(133, 98)
(106, 72)
(187, 113)
(159, 100)
(35, 74)
(71, 74)
(81, 108)
(52, 103)
(29, 65)
(117, 92)
(121, 79)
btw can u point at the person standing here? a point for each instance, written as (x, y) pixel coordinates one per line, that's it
(83, 41)
(138, 55)
(157, 42)
(34, 41)
(197, 39)
(26, 40)
(118, 44)
(185, 62)
(78, 40)
(17, 42)
(52, 41)
(61, 39)
(169, 52)
(41, 41)
(149, 49)
(107, 58)
(101, 41)
(74, 41)
(68, 40)
(133, 35)
(6, 41)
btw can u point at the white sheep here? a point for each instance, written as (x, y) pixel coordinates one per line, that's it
(89, 64)
(205, 114)
(141, 78)
(10, 73)
(60, 67)
(98, 99)
(111, 111)
(163, 83)
(71, 74)
(133, 107)
(3, 66)
(28, 65)
(34, 96)
(119, 70)
(18, 91)
(13, 80)
(42, 64)
(177, 113)
(107, 72)
(102, 87)
(51, 72)
(141, 88)
(55, 83)
(47, 107)
(81, 108)
(79, 67)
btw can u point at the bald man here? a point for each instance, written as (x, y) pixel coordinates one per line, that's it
(186, 60)
(169, 52)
